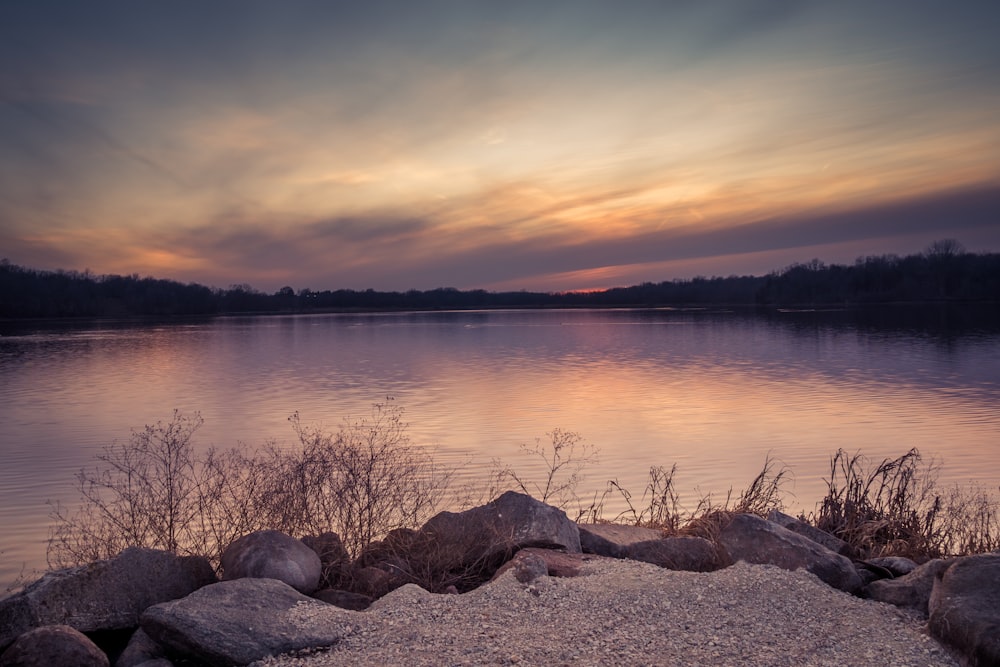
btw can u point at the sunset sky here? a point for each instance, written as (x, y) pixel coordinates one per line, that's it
(543, 145)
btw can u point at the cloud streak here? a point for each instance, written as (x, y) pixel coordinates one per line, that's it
(477, 144)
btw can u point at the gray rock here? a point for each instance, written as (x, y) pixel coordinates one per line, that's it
(527, 566)
(612, 540)
(271, 554)
(910, 591)
(694, 554)
(965, 608)
(532, 562)
(831, 542)
(374, 582)
(512, 521)
(140, 649)
(240, 621)
(467, 548)
(897, 565)
(53, 646)
(391, 553)
(749, 538)
(106, 595)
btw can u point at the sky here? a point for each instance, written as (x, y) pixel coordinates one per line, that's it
(544, 145)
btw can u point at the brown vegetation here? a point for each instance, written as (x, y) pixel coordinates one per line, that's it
(362, 481)
(366, 481)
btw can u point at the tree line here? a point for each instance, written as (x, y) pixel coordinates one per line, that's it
(945, 271)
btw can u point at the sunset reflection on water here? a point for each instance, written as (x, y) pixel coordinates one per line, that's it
(714, 392)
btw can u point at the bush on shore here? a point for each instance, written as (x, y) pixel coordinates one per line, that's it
(366, 479)
(361, 481)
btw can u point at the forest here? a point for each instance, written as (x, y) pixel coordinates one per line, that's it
(944, 272)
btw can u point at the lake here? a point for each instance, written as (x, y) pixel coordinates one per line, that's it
(712, 390)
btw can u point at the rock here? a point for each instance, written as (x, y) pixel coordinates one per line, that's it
(140, 650)
(527, 567)
(53, 646)
(333, 558)
(531, 563)
(885, 567)
(343, 599)
(897, 565)
(910, 591)
(831, 542)
(237, 622)
(389, 554)
(106, 595)
(465, 549)
(270, 554)
(870, 573)
(558, 562)
(612, 540)
(749, 538)
(695, 554)
(964, 608)
(512, 521)
(374, 582)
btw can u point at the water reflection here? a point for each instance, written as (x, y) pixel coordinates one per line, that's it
(713, 391)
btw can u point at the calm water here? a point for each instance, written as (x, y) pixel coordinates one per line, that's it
(714, 392)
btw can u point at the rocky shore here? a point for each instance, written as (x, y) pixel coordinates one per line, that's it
(515, 582)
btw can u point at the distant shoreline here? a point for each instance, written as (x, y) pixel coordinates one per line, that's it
(687, 307)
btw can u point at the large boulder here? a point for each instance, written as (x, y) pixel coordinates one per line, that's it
(755, 540)
(512, 521)
(912, 590)
(831, 542)
(106, 595)
(964, 608)
(464, 549)
(53, 646)
(271, 554)
(694, 554)
(612, 539)
(238, 622)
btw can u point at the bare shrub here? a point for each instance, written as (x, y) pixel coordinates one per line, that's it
(969, 521)
(153, 491)
(361, 482)
(564, 458)
(141, 493)
(231, 498)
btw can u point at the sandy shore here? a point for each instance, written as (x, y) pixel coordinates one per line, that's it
(631, 613)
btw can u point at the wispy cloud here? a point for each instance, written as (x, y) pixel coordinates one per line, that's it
(397, 146)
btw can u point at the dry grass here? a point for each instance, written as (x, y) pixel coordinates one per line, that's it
(660, 505)
(366, 480)
(894, 507)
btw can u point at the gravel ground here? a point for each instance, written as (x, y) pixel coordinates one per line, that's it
(631, 613)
